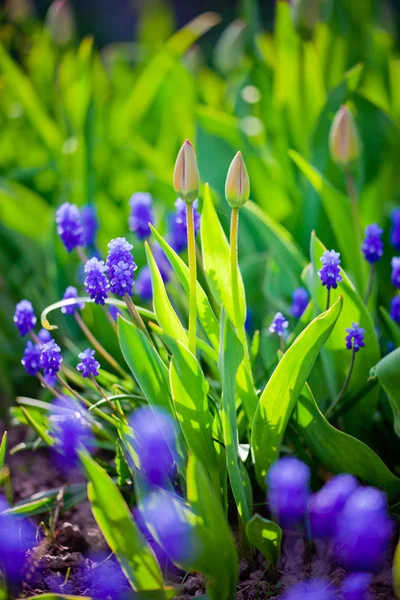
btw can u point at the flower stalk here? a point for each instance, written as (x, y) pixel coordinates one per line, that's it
(192, 278)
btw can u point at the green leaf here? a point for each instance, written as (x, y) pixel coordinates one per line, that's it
(231, 355)
(3, 450)
(166, 316)
(391, 325)
(205, 313)
(388, 373)
(37, 427)
(59, 597)
(396, 571)
(282, 390)
(266, 536)
(146, 365)
(119, 529)
(165, 594)
(46, 501)
(17, 200)
(339, 452)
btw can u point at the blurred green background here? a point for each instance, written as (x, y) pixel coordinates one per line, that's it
(95, 108)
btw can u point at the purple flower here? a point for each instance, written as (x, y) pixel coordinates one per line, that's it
(90, 224)
(162, 261)
(396, 272)
(395, 233)
(178, 228)
(31, 359)
(120, 266)
(373, 246)
(44, 335)
(363, 531)
(326, 505)
(88, 365)
(71, 292)
(288, 490)
(114, 311)
(299, 302)
(69, 226)
(154, 443)
(96, 282)
(279, 325)
(316, 589)
(395, 309)
(109, 580)
(141, 214)
(355, 586)
(355, 337)
(248, 324)
(50, 358)
(24, 317)
(71, 429)
(330, 271)
(143, 284)
(17, 537)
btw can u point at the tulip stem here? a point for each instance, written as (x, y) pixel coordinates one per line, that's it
(370, 283)
(192, 277)
(344, 388)
(352, 193)
(234, 265)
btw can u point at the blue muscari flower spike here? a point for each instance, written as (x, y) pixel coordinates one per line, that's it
(96, 282)
(355, 337)
(299, 302)
(31, 358)
(279, 325)
(143, 284)
(396, 271)
(315, 589)
(114, 311)
(24, 317)
(395, 309)
(355, 586)
(88, 365)
(288, 490)
(163, 264)
(90, 224)
(121, 266)
(178, 228)
(141, 214)
(373, 246)
(395, 233)
(329, 274)
(44, 335)
(71, 292)
(17, 536)
(326, 505)
(50, 358)
(69, 226)
(71, 429)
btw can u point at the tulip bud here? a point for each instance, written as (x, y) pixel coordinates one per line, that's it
(60, 21)
(186, 174)
(344, 141)
(237, 185)
(305, 15)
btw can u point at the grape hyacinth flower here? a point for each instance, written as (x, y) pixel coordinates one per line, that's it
(17, 537)
(90, 224)
(364, 531)
(326, 505)
(395, 309)
(114, 311)
(355, 337)
(162, 261)
(143, 284)
(355, 586)
(89, 367)
(178, 226)
(24, 317)
(395, 233)
(316, 589)
(279, 325)
(96, 282)
(44, 336)
(31, 358)
(329, 273)
(299, 302)
(121, 266)
(50, 358)
(69, 226)
(396, 272)
(373, 246)
(70, 293)
(71, 430)
(288, 490)
(155, 444)
(141, 215)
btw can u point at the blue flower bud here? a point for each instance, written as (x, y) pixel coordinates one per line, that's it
(71, 430)
(396, 272)
(90, 224)
(395, 309)
(355, 337)
(17, 537)
(329, 274)
(96, 282)
(50, 358)
(279, 325)
(69, 226)
(178, 227)
(288, 490)
(71, 292)
(355, 586)
(299, 302)
(24, 317)
(373, 246)
(326, 505)
(316, 589)
(88, 365)
(141, 215)
(31, 359)
(143, 285)
(395, 232)
(121, 266)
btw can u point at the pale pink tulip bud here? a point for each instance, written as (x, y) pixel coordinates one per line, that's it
(186, 174)
(344, 140)
(237, 184)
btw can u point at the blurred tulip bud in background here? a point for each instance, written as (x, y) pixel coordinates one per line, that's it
(186, 174)
(237, 185)
(60, 21)
(344, 140)
(305, 15)
(19, 10)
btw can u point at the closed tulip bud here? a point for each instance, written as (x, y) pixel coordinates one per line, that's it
(186, 174)
(60, 21)
(344, 141)
(305, 15)
(237, 184)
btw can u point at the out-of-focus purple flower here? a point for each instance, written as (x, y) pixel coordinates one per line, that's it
(50, 358)
(299, 302)
(71, 292)
(162, 261)
(355, 586)
(51, 380)
(88, 365)
(326, 505)
(355, 337)
(395, 233)
(31, 359)
(316, 589)
(395, 309)
(372, 245)
(109, 581)
(44, 335)
(96, 282)
(166, 516)
(279, 325)
(71, 430)
(288, 490)
(24, 317)
(178, 227)
(90, 224)
(154, 441)
(248, 324)
(363, 531)
(143, 284)
(17, 537)
(114, 311)
(69, 225)
(329, 274)
(121, 266)
(141, 215)
(396, 271)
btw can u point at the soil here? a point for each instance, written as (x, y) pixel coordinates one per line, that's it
(80, 563)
